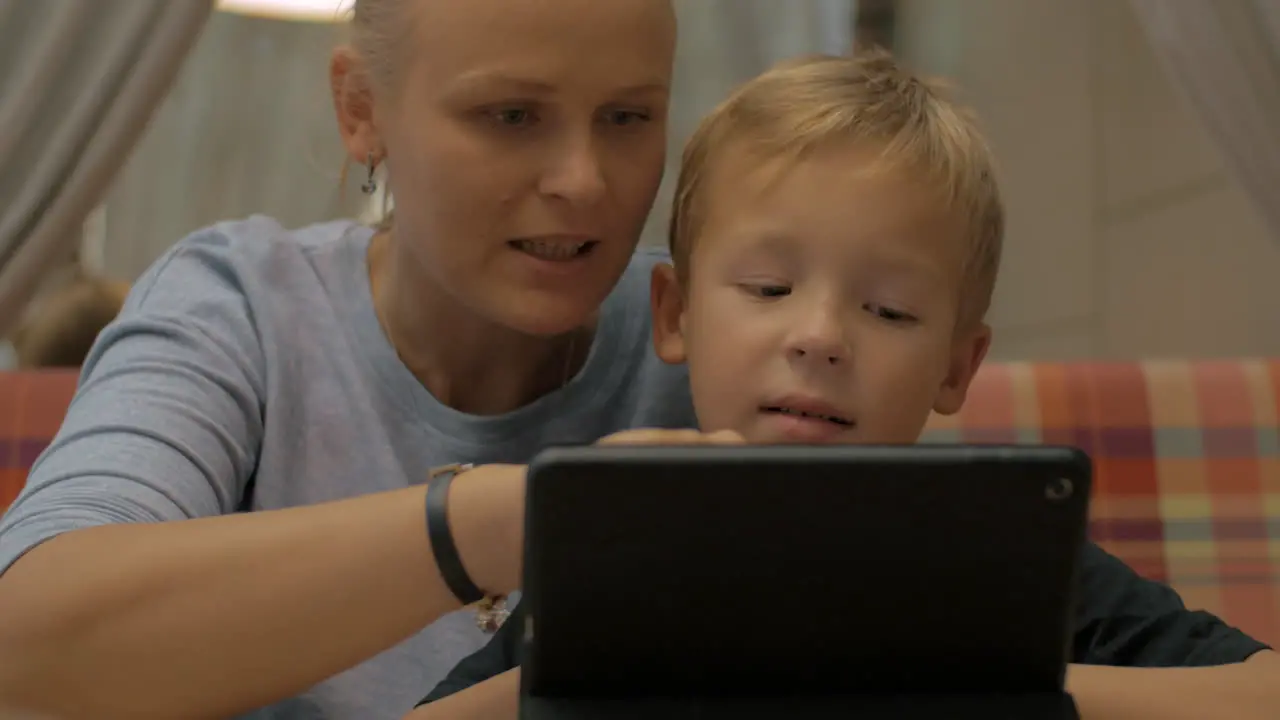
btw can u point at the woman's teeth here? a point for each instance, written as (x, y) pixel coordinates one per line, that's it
(552, 250)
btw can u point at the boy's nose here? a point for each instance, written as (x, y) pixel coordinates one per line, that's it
(829, 357)
(819, 340)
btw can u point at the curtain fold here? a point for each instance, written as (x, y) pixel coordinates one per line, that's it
(78, 82)
(1224, 58)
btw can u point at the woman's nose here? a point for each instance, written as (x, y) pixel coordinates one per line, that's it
(575, 173)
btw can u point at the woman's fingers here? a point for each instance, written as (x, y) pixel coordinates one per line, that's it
(662, 436)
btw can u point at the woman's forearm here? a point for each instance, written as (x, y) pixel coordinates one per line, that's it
(495, 699)
(217, 616)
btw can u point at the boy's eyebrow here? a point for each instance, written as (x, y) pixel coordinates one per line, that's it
(905, 262)
(908, 266)
(767, 240)
(777, 243)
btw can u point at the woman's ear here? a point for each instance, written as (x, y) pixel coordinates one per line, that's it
(353, 105)
(666, 301)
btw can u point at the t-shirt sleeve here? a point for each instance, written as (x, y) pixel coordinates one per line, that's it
(500, 655)
(167, 419)
(1124, 619)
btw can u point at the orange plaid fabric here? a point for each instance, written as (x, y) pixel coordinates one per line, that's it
(32, 405)
(1187, 466)
(1187, 458)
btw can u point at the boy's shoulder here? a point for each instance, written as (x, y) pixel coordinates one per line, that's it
(501, 654)
(1127, 620)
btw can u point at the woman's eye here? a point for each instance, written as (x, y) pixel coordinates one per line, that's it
(515, 117)
(624, 118)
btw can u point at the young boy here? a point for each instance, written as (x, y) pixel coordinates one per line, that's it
(836, 236)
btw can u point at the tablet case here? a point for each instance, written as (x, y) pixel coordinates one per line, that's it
(815, 574)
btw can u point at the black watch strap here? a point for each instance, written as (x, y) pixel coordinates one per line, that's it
(441, 537)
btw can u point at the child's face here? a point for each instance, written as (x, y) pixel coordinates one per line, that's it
(822, 304)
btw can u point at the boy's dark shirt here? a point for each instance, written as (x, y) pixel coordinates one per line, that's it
(1121, 619)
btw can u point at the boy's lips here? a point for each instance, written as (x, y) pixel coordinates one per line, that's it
(808, 407)
(806, 420)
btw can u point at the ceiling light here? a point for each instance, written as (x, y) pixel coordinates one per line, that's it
(314, 10)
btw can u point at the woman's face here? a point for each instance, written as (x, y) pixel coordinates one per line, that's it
(524, 147)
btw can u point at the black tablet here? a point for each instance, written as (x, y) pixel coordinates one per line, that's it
(792, 571)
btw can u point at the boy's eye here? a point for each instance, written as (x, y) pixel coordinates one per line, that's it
(888, 313)
(767, 292)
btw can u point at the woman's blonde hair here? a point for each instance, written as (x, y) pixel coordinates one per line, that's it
(378, 31)
(377, 34)
(806, 104)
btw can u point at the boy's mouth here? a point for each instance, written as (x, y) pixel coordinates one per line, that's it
(814, 413)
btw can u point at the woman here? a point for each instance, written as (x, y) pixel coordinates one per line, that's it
(316, 376)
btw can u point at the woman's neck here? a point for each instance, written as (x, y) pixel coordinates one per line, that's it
(464, 361)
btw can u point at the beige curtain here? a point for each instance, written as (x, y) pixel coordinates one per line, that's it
(255, 93)
(79, 80)
(1224, 57)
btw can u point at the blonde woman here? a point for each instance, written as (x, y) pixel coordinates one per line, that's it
(233, 519)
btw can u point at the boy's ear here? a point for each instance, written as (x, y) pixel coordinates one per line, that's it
(666, 301)
(967, 354)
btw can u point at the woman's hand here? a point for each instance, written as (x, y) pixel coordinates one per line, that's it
(659, 436)
(486, 507)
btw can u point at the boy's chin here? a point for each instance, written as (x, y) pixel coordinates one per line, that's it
(771, 431)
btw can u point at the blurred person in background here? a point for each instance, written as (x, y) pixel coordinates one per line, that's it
(62, 323)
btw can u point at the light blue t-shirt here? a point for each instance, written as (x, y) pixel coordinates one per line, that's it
(249, 357)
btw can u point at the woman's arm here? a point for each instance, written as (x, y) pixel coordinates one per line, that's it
(134, 588)
(1242, 691)
(495, 699)
(214, 617)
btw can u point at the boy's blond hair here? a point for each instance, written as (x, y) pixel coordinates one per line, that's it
(809, 103)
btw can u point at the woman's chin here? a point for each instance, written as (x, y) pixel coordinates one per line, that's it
(546, 313)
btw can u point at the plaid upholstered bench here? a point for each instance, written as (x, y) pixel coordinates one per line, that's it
(1187, 457)
(32, 405)
(1187, 466)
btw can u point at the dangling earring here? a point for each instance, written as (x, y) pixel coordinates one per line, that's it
(370, 185)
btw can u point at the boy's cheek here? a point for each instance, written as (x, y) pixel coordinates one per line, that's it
(723, 398)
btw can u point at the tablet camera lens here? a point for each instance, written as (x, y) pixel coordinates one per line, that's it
(1058, 489)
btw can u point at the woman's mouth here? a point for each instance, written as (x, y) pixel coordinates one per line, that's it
(554, 250)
